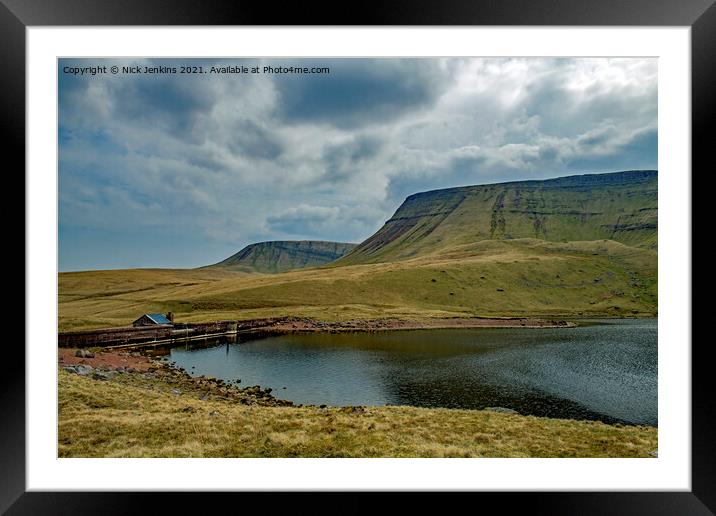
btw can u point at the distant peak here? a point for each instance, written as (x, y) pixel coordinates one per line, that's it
(275, 256)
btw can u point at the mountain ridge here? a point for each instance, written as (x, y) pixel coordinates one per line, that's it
(584, 246)
(620, 206)
(283, 255)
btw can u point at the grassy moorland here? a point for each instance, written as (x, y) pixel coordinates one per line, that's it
(582, 245)
(136, 417)
(488, 278)
(579, 246)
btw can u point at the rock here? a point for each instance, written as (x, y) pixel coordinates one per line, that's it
(83, 370)
(502, 410)
(70, 369)
(654, 453)
(177, 392)
(83, 353)
(101, 375)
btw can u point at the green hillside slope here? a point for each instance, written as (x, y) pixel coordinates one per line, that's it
(582, 245)
(520, 277)
(280, 256)
(620, 206)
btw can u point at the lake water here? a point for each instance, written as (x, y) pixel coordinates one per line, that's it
(604, 370)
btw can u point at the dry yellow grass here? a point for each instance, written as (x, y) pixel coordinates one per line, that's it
(108, 419)
(525, 277)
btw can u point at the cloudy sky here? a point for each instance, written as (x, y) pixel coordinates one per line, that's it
(183, 170)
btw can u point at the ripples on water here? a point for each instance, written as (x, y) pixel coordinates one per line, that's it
(604, 370)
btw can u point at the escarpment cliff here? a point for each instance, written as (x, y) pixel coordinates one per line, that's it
(620, 206)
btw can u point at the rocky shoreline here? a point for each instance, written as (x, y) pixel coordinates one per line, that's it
(289, 325)
(139, 370)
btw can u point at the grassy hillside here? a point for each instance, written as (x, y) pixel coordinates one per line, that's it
(620, 206)
(583, 245)
(280, 256)
(488, 278)
(111, 419)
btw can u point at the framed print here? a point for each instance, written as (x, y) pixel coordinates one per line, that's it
(403, 250)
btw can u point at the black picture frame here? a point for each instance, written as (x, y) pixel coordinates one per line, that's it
(17, 15)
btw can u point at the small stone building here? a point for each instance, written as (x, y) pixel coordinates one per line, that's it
(154, 320)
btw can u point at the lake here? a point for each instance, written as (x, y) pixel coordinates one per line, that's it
(602, 370)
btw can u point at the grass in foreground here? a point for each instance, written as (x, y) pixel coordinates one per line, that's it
(108, 419)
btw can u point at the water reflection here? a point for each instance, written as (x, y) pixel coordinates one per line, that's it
(605, 371)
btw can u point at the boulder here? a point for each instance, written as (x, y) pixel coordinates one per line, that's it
(84, 370)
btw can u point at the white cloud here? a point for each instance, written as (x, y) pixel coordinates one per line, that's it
(240, 158)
